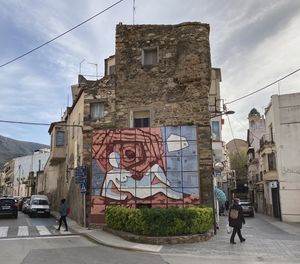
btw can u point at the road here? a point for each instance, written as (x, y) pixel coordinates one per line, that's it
(43, 244)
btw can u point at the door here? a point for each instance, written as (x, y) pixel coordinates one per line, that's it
(275, 201)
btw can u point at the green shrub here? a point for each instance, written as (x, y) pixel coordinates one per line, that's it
(160, 221)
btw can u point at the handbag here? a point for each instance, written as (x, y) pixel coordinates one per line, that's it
(229, 229)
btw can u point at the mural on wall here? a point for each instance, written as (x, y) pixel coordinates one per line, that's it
(153, 166)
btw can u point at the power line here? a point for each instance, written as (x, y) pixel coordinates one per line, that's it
(51, 40)
(35, 123)
(237, 150)
(24, 123)
(247, 95)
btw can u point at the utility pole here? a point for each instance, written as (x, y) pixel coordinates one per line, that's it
(19, 179)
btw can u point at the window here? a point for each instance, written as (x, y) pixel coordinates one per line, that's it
(215, 130)
(97, 111)
(150, 56)
(272, 161)
(112, 69)
(60, 138)
(141, 119)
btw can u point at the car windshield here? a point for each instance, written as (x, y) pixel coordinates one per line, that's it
(40, 202)
(7, 201)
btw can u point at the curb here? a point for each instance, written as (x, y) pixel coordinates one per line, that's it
(161, 240)
(100, 242)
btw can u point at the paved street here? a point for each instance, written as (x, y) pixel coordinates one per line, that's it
(24, 226)
(268, 241)
(265, 241)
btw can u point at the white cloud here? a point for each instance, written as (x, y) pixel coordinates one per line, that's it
(253, 42)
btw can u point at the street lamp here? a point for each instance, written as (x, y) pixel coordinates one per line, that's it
(229, 112)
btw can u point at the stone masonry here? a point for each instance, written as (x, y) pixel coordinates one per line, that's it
(175, 90)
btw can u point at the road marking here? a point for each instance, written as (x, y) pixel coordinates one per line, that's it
(43, 231)
(3, 231)
(34, 238)
(23, 231)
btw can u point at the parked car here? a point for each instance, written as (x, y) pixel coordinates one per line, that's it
(8, 207)
(25, 206)
(39, 206)
(248, 208)
(21, 201)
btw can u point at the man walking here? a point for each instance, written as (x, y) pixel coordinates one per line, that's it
(236, 220)
(63, 211)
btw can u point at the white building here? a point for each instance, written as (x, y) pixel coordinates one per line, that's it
(25, 171)
(257, 128)
(280, 152)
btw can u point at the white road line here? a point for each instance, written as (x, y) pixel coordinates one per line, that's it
(43, 231)
(3, 231)
(34, 238)
(23, 231)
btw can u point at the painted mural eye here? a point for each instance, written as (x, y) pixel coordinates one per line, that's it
(130, 154)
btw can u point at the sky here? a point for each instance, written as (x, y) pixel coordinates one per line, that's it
(253, 42)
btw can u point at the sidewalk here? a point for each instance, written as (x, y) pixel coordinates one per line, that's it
(266, 237)
(107, 239)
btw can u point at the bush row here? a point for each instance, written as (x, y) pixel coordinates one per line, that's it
(160, 221)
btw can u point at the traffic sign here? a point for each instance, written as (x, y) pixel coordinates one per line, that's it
(82, 187)
(81, 174)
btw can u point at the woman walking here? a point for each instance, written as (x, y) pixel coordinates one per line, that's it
(63, 211)
(236, 220)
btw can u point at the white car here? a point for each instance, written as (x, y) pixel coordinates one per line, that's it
(39, 206)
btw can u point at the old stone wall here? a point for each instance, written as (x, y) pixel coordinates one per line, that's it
(99, 91)
(175, 90)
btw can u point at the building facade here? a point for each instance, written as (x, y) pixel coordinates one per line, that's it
(21, 175)
(279, 154)
(143, 131)
(257, 129)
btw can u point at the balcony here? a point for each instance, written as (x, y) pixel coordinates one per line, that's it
(271, 175)
(266, 140)
(57, 155)
(9, 179)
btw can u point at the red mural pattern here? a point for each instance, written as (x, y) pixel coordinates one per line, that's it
(139, 149)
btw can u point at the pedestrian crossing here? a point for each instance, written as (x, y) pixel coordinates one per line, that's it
(31, 231)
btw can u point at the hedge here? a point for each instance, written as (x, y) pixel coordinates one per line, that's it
(160, 221)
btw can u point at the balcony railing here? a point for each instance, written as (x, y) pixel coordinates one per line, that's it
(266, 140)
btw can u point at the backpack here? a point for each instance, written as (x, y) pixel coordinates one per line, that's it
(234, 214)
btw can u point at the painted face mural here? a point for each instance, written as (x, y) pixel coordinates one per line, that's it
(145, 165)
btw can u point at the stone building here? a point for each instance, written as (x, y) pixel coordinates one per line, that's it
(143, 130)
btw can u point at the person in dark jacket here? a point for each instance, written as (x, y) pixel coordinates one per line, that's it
(63, 211)
(236, 220)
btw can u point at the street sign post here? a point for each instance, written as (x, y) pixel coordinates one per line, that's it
(81, 179)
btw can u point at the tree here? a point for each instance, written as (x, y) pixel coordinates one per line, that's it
(238, 162)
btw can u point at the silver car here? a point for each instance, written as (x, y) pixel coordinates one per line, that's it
(247, 207)
(39, 206)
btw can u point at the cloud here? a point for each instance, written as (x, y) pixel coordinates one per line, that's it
(253, 42)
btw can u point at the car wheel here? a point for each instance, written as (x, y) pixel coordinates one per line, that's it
(16, 216)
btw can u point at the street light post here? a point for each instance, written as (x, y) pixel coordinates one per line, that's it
(214, 201)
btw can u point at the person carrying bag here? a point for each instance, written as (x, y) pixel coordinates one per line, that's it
(236, 220)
